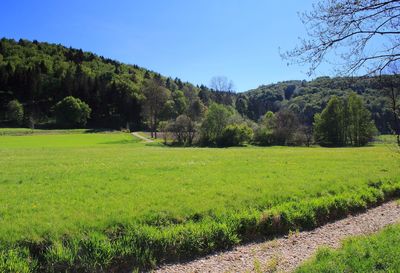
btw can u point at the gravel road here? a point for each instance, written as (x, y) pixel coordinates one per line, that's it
(286, 253)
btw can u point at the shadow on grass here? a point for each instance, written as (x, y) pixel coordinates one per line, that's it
(121, 142)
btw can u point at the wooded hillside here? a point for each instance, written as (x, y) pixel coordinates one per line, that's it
(306, 98)
(39, 75)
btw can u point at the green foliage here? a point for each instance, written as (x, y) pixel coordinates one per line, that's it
(360, 127)
(196, 110)
(40, 74)
(285, 125)
(184, 130)
(235, 135)
(329, 126)
(307, 98)
(344, 122)
(281, 128)
(263, 135)
(373, 253)
(15, 112)
(72, 112)
(16, 259)
(156, 98)
(215, 121)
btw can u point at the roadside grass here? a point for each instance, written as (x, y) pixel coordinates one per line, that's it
(372, 253)
(108, 202)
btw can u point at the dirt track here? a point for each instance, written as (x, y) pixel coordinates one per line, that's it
(286, 253)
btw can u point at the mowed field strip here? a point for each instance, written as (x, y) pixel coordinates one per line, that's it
(190, 200)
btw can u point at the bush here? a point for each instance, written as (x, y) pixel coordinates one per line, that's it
(263, 136)
(72, 112)
(216, 119)
(15, 112)
(184, 129)
(235, 135)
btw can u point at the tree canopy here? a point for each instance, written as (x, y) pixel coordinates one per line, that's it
(39, 75)
(72, 112)
(344, 122)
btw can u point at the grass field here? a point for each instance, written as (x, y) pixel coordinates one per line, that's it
(92, 202)
(374, 253)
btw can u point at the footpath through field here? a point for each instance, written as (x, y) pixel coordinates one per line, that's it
(136, 134)
(287, 253)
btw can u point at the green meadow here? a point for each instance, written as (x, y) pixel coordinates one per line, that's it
(87, 202)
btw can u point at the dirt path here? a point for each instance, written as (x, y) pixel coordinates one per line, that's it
(136, 134)
(286, 253)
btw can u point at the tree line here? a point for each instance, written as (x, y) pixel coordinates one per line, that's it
(343, 122)
(47, 85)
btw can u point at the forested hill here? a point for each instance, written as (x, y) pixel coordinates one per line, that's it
(39, 75)
(306, 98)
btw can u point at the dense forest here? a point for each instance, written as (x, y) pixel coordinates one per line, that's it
(306, 98)
(40, 75)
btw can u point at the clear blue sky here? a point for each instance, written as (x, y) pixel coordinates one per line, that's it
(192, 40)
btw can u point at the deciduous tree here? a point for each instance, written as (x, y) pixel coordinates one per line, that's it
(15, 112)
(72, 112)
(155, 97)
(350, 30)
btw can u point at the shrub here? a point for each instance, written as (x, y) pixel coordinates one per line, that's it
(15, 112)
(235, 135)
(72, 112)
(263, 136)
(184, 129)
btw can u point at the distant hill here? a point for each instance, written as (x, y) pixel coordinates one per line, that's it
(40, 74)
(309, 97)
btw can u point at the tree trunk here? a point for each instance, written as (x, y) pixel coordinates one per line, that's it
(396, 119)
(155, 127)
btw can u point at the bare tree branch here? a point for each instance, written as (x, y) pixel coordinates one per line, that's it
(350, 31)
(221, 84)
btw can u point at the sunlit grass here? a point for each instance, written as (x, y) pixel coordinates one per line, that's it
(373, 253)
(58, 185)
